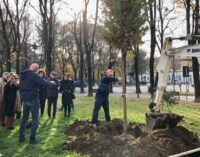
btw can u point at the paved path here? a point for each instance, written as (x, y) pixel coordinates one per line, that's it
(117, 91)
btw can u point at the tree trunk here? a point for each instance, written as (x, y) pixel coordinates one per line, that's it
(75, 74)
(195, 64)
(136, 71)
(81, 72)
(110, 65)
(124, 89)
(17, 64)
(8, 64)
(152, 13)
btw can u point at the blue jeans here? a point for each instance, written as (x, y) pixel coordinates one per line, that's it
(33, 107)
(100, 101)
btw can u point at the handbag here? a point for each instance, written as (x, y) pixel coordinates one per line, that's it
(18, 105)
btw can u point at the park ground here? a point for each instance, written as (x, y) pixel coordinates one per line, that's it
(51, 131)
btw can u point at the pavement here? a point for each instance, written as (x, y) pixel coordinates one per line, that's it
(117, 91)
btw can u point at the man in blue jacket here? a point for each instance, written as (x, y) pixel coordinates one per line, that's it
(101, 98)
(29, 85)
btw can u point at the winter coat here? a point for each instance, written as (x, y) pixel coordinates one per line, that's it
(52, 91)
(2, 86)
(10, 92)
(104, 86)
(30, 83)
(42, 92)
(67, 89)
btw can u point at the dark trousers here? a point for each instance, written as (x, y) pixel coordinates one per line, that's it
(50, 102)
(67, 109)
(2, 117)
(9, 121)
(33, 107)
(100, 101)
(42, 105)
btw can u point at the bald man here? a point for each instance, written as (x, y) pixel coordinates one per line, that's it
(30, 82)
(101, 98)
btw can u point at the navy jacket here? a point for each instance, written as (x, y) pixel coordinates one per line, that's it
(29, 85)
(104, 86)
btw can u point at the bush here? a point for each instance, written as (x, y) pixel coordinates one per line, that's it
(170, 97)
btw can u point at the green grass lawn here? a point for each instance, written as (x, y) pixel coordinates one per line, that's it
(51, 132)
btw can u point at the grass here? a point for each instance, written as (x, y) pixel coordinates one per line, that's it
(51, 132)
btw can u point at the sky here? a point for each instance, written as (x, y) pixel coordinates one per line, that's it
(68, 7)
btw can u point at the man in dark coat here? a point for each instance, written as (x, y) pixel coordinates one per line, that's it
(30, 81)
(52, 94)
(42, 92)
(67, 89)
(101, 98)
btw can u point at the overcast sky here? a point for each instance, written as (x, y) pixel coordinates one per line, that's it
(68, 7)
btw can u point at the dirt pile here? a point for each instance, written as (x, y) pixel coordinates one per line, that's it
(108, 140)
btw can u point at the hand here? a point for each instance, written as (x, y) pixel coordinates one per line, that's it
(120, 79)
(53, 82)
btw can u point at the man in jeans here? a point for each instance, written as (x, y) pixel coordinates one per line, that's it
(101, 98)
(29, 84)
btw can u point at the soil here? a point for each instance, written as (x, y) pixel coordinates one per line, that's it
(140, 141)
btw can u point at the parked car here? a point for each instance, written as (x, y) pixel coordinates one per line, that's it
(77, 83)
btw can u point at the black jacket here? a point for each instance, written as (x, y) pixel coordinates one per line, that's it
(104, 86)
(52, 92)
(10, 91)
(67, 89)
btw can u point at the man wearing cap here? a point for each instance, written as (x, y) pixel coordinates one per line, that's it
(30, 82)
(101, 98)
(3, 81)
(52, 94)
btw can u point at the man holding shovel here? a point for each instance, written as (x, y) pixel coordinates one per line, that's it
(101, 98)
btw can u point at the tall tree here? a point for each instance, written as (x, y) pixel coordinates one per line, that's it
(15, 18)
(78, 35)
(89, 45)
(195, 64)
(48, 15)
(152, 24)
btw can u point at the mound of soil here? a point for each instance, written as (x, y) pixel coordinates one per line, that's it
(109, 140)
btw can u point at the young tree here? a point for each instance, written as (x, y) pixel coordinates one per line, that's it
(124, 20)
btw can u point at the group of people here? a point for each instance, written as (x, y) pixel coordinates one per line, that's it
(32, 90)
(10, 102)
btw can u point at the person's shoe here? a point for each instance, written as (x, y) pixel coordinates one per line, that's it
(21, 140)
(33, 141)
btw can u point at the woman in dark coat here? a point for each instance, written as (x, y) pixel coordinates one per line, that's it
(67, 88)
(10, 93)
